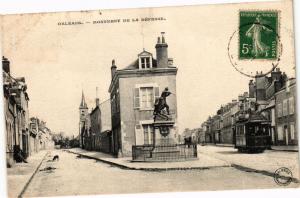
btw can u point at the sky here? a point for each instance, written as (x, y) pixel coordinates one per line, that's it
(59, 61)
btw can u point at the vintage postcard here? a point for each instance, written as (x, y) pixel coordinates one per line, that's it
(169, 99)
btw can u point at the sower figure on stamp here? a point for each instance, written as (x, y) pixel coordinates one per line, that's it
(255, 32)
(161, 104)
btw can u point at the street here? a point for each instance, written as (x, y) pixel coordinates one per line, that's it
(81, 176)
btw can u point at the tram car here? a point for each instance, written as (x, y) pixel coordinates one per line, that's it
(252, 133)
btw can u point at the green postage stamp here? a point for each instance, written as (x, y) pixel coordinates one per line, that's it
(258, 35)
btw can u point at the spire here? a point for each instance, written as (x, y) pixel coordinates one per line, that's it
(83, 103)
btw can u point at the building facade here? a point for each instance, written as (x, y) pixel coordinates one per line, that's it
(133, 91)
(16, 113)
(285, 115)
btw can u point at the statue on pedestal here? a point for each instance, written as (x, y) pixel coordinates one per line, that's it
(161, 108)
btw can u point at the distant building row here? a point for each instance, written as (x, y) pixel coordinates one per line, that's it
(274, 97)
(24, 136)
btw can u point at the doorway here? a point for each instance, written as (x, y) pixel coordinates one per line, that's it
(286, 135)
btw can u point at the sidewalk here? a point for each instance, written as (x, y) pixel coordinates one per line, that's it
(203, 162)
(285, 148)
(20, 174)
(266, 163)
(276, 148)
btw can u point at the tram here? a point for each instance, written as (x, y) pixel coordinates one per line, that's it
(252, 133)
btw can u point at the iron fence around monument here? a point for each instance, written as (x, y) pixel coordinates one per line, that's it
(175, 152)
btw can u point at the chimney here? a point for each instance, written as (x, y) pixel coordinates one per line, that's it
(251, 89)
(5, 65)
(162, 52)
(113, 68)
(97, 99)
(260, 82)
(275, 75)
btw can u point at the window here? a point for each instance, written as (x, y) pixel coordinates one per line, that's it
(148, 134)
(144, 97)
(292, 129)
(291, 105)
(285, 108)
(280, 132)
(147, 99)
(145, 63)
(279, 110)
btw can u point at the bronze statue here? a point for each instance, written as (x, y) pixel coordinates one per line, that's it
(161, 104)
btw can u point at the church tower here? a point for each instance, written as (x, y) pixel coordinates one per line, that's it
(83, 112)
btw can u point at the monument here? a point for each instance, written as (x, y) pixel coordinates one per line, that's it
(165, 146)
(163, 121)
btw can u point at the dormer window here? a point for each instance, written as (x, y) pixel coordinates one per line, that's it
(145, 60)
(145, 63)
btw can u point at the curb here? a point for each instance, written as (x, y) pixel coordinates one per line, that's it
(225, 145)
(147, 169)
(284, 150)
(263, 172)
(30, 179)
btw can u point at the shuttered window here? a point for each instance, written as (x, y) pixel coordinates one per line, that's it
(136, 98)
(156, 93)
(285, 108)
(147, 98)
(291, 106)
(280, 132)
(292, 129)
(279, 110)
(148, 134)
(144, 97)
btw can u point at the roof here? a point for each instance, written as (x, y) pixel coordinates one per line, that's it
(253, 117)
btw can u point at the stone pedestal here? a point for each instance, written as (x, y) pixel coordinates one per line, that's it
(164, 133)
(165, 148)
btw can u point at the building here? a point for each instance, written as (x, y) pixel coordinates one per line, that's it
(104, 138)
(33, 139)
(21, 132)
(95, 127)
(16, 113)
(285, 115)
(133, 91)
(227, 130)
(206, 128)
(216, 126)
